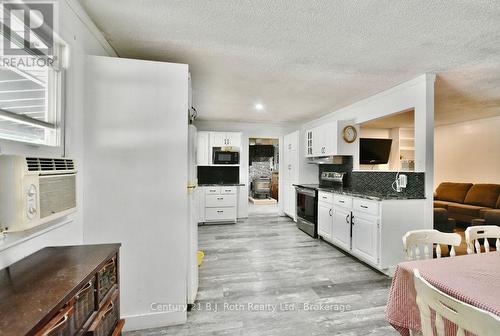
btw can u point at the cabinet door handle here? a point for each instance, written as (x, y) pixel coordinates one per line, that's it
(340, 201)
(220, 211)
(324, 197)
(364, 207)
(220, 198)
(330, 212)
(347, 218)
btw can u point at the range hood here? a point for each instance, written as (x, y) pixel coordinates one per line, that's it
(326, 160)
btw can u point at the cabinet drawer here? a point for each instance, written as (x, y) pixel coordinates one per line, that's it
(212, 201)
(107, 318)
(228, 190)
(212, 190)
(106, 279)
(324, 196)
(369, 207)
(220, 214)
(84, 304)
(61, 325)
(343, 201)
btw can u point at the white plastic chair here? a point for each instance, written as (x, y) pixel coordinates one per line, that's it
(474, 233)
(465, 316)
(414, 240)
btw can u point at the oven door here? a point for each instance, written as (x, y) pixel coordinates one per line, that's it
(307, 205)
(222, 157)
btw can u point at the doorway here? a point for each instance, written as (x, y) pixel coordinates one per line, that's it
(263, 172)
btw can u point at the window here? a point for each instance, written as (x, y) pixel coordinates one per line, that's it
(31, 89)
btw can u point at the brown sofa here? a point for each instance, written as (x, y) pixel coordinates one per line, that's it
(467, 201)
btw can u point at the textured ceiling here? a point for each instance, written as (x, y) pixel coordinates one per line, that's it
(304, 58)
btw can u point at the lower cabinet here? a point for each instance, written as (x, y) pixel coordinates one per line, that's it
(341, 228)
(289, 199)
(365, 237)
(219, 204)
(350, 224)
(325, 220)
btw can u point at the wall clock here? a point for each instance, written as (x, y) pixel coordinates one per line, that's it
(349, 134)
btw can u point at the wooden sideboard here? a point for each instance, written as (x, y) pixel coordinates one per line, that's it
(62, 291)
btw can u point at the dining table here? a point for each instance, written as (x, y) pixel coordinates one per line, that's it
(473, 279)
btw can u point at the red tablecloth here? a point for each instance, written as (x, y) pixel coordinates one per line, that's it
(474, 279)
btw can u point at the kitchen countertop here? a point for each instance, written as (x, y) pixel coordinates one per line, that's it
(222, 185)
(371, 195)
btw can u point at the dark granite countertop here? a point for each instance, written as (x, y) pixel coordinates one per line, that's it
(222, 185)
(38, 286)
(372, 195)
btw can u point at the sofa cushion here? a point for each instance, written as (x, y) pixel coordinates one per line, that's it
(485, 195)
(442, 204)
(465, 210)
(498, 202)
(452, 192)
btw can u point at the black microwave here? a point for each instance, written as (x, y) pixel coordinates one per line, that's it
(225, 157)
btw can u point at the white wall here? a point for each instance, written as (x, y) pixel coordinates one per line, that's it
(249, 130)
(83, 38)
(468, 152)
(417, 94)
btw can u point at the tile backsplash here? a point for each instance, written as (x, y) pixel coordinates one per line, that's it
(376, 181)
(381, 182)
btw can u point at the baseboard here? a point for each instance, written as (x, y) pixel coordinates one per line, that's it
(154, 320)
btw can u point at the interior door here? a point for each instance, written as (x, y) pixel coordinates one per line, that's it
(325, 217)
(365, 236)
(341, 228)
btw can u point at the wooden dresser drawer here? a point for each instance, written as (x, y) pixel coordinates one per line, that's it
(220, 214)
(343, 201)
(106, 279)
(84, 304)
(107, 318)
(212, 190)
(220, 201)
(367, 206)
(60, 325)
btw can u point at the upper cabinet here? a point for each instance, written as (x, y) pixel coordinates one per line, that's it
(327, 140)
(233, 139)
(208, 140)
(225, 139)
(202, 151)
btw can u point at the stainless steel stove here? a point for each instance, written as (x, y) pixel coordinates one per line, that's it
(307, 201)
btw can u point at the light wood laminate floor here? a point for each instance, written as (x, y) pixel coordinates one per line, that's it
(266, 277)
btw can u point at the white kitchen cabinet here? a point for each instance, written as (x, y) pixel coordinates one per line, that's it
(225, 139)
(325, 220)
(219, 204)
(327, 140)
(290, 163)
(233, 139)
(341, 227)
(217, 139)
(202, 149)
(365, 237)
(289, 200)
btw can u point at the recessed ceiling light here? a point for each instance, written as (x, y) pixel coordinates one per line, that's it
(259, 107)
